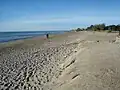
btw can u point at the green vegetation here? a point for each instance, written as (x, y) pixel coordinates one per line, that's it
(101, 27)
(108, 31)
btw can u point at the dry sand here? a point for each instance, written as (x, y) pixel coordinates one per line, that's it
(71, 61)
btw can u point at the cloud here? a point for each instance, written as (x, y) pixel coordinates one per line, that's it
(55, 23)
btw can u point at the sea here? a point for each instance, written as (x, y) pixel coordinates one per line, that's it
(12, 36)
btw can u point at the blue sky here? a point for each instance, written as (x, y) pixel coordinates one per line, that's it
(28, 15)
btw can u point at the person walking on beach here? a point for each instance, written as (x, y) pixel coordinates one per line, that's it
(47, 36)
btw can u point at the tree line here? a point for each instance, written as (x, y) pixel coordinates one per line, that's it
(100, 27)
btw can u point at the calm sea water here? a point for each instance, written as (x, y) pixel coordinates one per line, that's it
(10, 36)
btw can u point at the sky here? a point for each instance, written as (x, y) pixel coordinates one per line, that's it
(40, 15)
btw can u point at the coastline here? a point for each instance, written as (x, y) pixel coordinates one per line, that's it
(13, 36)
(42, 38)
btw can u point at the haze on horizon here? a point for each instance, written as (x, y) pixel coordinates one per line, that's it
(28, 15)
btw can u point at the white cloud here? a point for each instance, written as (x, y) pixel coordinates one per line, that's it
(39, 23)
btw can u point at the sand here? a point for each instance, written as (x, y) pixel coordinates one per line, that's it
(70, 61)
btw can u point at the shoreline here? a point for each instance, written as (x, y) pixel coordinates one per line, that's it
(20, 41)
(33, 34)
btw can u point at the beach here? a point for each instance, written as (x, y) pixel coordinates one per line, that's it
(70, 61)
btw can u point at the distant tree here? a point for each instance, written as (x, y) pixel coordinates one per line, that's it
(106, 28)
(78, 29)
(83, 29)
(95, 28)
(112, 27)
(102, 26)
(73, 30)
(99, 27)
(90, 28)
(118, 28)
